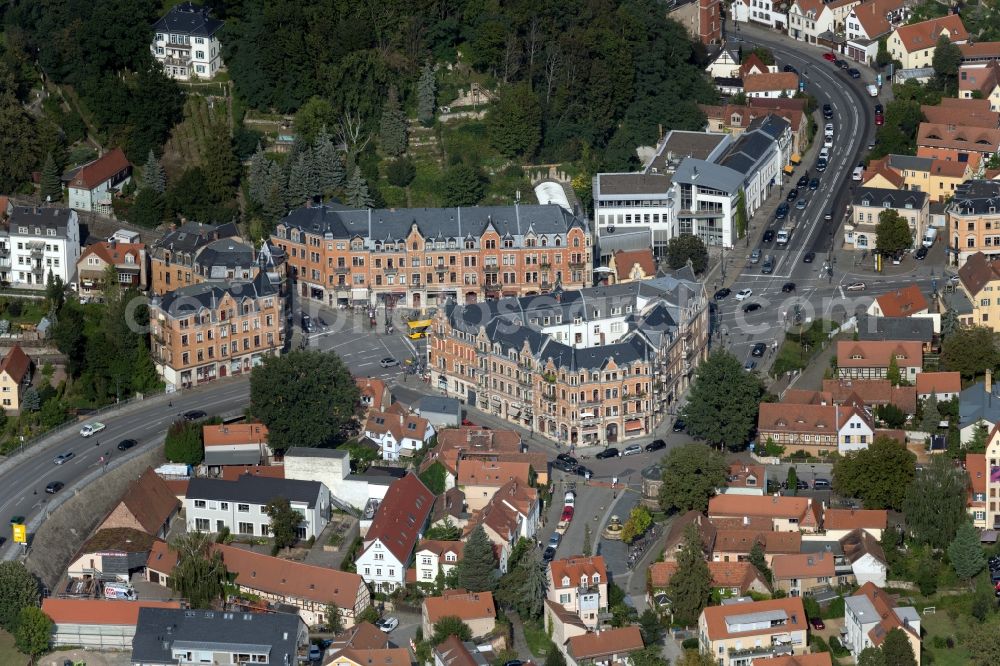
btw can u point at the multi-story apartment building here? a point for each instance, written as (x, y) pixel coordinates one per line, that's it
(979, 280)
(816, 428)
(937, 177)
(973, 221)
(585, 367)
(871, 613)
(214, 329)
(867, 23)
(868, 204)
(784, 514)
(984, 473)
(39, 241)
(767, 12)
(741, 631)
(580, 585)
(186, 42)
(425, 256)
(197, 252)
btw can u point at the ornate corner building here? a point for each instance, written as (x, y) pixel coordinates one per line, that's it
(584, 368)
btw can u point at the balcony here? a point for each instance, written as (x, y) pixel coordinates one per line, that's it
(763, 651)
(342, 270)
(491, 270)
(391, 270)
(576, 265)
(177, 62)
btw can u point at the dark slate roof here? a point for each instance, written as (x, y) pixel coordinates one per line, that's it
(976, 197)
(225, 253)
(160, 631)
(433, 223)
(914, 329)
(188, 19)
(34, 217)
(232, 457)
(772, 125)
(975, 404)
(880, 196)
(747, 152)
(188, 300)
(251, 489)
(309, 452)
(194, 235)
(438, 405)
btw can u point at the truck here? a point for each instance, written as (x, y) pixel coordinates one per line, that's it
(785, 234)
(929, 237)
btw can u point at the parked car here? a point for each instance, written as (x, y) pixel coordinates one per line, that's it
(768, 235)
(631, 450)
(921, 253)
(64, 457)
(828, 141)
(565, 457)
(607, 453)
(758, 349)
(563, 465)
(92, 428)
(679, 425)
(821, 164)
(549, 554)
(387, 624)
(781, 211)
(808, 258)
(750, 365)
(788, 287)
(792, 195)
(722, 293)
(827, 111)
(315, 653)
(829, 56)
(789, 68)
(17, 520)
(843, 64)
(585, 472)
(656, 445)
(126, 444)
(804, 180)
(854, 74)
(751, 307)
(814, 184)
(817, 623)
(54, 487)
(821, 484)
(743, 294)
(828, 129)
(555, 539)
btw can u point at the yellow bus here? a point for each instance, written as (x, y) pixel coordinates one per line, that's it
(418, 328)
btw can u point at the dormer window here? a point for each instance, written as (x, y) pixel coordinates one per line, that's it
(565, 581)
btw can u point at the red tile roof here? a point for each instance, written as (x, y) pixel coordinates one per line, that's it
(575, 568)
(902, 302)
(770, 82)
(715, 617)
(963, 112)
(814, 659)
(162, 558)
(114, 254)
(752, 64)
(233, 472)
(374, 390)
(401, 516)
(803, 565)
(100, 170)
(295, 580)
(884, 607)
(478, 472)
(742, 541)
(959, 137)
(377, 657)
(924, 35)
(872, 392)
(465, 605)
(235, 433)
(452, 652)
(724, 574)
(99, 611)
(857, 543)
(619, 641)
(849, 519)
(980, 50)
(872, 16)
(15, 364)
(792, 417)
(625, 260)
(362, 636)
(740, 473)
(401, 425)
(977, 272)
(799, 508)
(975, 465)
(877, 353)
(939, 382)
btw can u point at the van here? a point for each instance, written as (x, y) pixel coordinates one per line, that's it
(929, 237)
(859, 172)
(821, 484)
(872, 90)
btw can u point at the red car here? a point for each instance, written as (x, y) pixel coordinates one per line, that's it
(567, 514)
(879, 119)
(829, 56)
(817, 623)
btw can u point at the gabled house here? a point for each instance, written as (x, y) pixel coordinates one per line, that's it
(475, 609)
(979, 405)
(839, 522)
(800, 573)
(980, 80)
(433, 557)
(816, 428)
(148, 505)
(871, 613)
(387, 547)
(979, 279)
(15, 377)
(580, 585)
(906, 302)
(127, 259)
(743, 479)
(93, 185)
(631, 266)
(610, 647)
(398, 432)
(766, 12)
(112, 554)
(869, 202)
(786, 514)
(957, 141)
(867, 23)
(725, 64)
(734, 545)
(370, 657)
(871, 359)
(186, 42)
(511, 514)
(308, 588)
(730, 579)
(865, 554)
(975, 465)
(375, 394)
(480, 479)
(942, 385)
(872, 393)
(771, 84)
(236, 444)
(741, 631)
(808, 19)
(914, 44)
(453, 652)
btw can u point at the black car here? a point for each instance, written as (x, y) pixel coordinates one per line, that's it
(563, 465)
(814, 184)
(549, 554)
(827, 111)
(803, 181)
(607, 453)
(843, 64)
(126, 444)
(722, 293)
(565, 457)
(821, 165)
(751, 307)
(781, 212)
(585, 472)
(854, 74)
(921, 253)
(758, 349)
(679, 425)
(879, 109)
(828, 215)
(194, 415)
(788, 287)
(768, 236)
(54, 487)
(656, 445)
(789, 68)
(792, 196)
(808, 259)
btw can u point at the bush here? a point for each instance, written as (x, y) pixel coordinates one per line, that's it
(400, 172)
(837, 648)
(834, 610)
(690, 643)
(818, 644)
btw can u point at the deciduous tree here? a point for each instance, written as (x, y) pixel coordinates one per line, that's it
(200, 572)
(34, 631)
(514, 122)
(477, 569)
(758, 559)
(723, 402)
(691, 473)
(892, 233)
(400, 172)
(285, 523)
(691, 585)
(462, 185)
(935, 503)
(638, 522)
(18, 590)
(313, 118)
(897, 649)
(450, 625)
(684, 247)
(183, 443)
(879, 475)
(983, 644)
(970, 351)
(305, 398)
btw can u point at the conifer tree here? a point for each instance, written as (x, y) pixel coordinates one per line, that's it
(426, 94)
(257, 176)
(152, 174)
(328, 164)
(392, 128)
(51, 182)
(357, 190)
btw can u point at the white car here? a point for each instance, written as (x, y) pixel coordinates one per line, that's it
(631, 450)
(64, 457)
(387, 624)
(570, 499)
(743, 294)
(828, 141)
(828, 130)
(92, 429)
(824, 153)
(856, 286)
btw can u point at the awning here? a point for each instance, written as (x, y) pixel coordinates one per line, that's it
(796, 158)
(789, 169)
(514, 412)
(633, 425)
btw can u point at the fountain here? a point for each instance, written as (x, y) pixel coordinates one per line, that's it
(613, 532)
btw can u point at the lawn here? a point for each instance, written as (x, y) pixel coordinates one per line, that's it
(942, 627)
(8, 653)
(538, 641)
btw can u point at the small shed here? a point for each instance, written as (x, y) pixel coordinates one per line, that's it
(440, 412)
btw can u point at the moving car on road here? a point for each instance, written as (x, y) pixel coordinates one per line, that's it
(743, 294)
(856, 286)
(92, 428)
(722, 293)
(64, 457)
(194, 414)
(388, 362)
(769, 235)
(804, 180)
(808, 258)
(788, 287)
(758, 349)
(54, 487)
(814, 184)
(921, 253)
(751, 307)
(126, 444)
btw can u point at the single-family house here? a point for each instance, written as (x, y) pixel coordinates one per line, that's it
(387, 547)
(871, 359)
(914, 44)
(128, 260)
(871, 613)
(771, 84)
(308, 588)
(872, 392)
(800, 573)
(766, 12)
(865, 554)
(454, 652)
(148, 505)
(725, 64)
(370, 657)
(436, 557)
(214, 505)
(398, 432)
(185, 637)
(979, 280)
(375, 394)
(816, 428)
(866, 24)
(236, 444)
(730, 579)
(475, 609)
(610, 647)
(186, 42)
(92, 186)
(740, 631)
(675, 535)
(112, 554)
(744, 479)
(838, 522)
(980, 80)
(160, 564)
(906, 302)
(734, 545)
(808, 19)
(15, 377)
(942, 385)
(510, 515)
(580, 585)
(96, 624)
(786, 514)
(481, 478)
